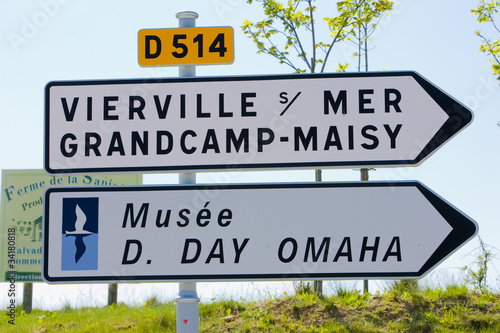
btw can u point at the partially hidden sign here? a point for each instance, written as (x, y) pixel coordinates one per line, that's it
(186, 46)
(250, 122)
(248, 232)
(21, 216)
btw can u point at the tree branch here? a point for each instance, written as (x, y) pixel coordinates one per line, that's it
(492, 20)
(489, 47)
(313, 59)
(335, 39)
(293, 30)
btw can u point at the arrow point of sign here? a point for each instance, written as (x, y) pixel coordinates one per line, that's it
(459, 117)
(185, 321)
(464, 229)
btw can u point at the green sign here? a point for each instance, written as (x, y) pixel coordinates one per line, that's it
(21, 216)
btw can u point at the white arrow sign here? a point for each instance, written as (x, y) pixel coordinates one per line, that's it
(255, 122)
(248, 232)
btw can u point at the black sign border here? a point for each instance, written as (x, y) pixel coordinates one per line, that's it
(459, 117)
(463, 230)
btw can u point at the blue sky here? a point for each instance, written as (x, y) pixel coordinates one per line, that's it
(47, 40)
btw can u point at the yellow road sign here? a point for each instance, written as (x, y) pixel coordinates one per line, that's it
(186, 46)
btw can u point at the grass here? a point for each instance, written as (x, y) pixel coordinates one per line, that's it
(403, 308)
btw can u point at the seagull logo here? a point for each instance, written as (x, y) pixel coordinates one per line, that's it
(79, 233)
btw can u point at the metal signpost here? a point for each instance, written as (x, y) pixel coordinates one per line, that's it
(187, 314)
(249, 232)
(251, 122)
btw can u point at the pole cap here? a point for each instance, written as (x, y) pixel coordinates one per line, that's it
(186, 14)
